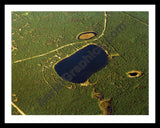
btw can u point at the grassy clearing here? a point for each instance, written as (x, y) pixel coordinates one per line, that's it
(86, 35)
(36, 35)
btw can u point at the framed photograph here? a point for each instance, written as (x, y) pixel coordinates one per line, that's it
(80, 63)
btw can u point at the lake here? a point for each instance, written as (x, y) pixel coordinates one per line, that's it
(78, 67)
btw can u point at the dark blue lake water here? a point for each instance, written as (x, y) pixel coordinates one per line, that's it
(78, 67)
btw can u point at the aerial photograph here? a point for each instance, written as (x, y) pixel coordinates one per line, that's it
(80, 62)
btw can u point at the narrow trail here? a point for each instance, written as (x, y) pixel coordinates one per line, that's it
(55, 50)
(72, 44)
(18, 109)
(105, 21)
(135, 18)
(17, 61)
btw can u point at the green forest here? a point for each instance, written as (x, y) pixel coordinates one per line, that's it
(42, 39)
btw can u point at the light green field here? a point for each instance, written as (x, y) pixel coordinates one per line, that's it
(41, 39)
